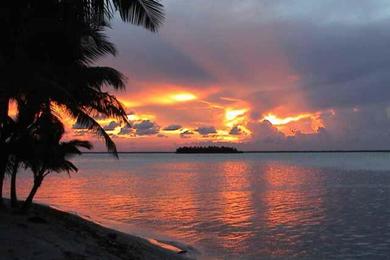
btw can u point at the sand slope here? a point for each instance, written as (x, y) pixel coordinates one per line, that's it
(47, 233)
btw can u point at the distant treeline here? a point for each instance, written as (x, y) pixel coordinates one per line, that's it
(207, 149)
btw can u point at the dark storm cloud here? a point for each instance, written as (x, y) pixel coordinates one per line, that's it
(146, 127)
(206, 130)
(111, 126)
(126, 130)
(186, 134)
(236, 130)
(150, 58)
(340, 65)
(172, 127)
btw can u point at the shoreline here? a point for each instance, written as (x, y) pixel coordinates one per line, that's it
(50, 233)
(149, 235)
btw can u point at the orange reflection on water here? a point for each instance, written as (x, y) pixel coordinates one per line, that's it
(236, 203)
(71, 195)
(226, 203)
(237, 208)
(170, 200)
(286, 201)
(57, 190)
(288, 206)
(79, 193)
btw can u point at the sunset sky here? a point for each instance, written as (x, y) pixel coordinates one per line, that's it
(257, 74)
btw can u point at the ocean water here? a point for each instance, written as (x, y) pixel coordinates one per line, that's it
(237, 206)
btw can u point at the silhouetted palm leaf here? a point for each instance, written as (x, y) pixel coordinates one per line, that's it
(148, 13)
(72, 147)
(96, 77)
(88, 122)
(94, 44)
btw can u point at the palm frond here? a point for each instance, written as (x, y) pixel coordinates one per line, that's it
(96, 77)
(72, 147)
(79, 143)
(94, 44)
(102, 103)
(146, 13)
(12, 161)
(88, 122)
(48, 127)
(63, 166)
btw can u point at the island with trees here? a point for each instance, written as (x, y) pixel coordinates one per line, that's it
(207, 149)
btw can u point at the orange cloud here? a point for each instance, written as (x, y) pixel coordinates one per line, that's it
(275, 120)
(173, 98)
(306, 123)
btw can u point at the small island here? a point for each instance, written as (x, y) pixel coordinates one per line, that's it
(207, 149)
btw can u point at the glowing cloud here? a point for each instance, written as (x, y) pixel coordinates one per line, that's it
(283, 121)
(130, 103)
(173, 98)
(301, 123)
(182, 97)
(234, 116)
(138, 117)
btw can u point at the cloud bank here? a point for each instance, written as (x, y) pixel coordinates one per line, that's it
(321, 66)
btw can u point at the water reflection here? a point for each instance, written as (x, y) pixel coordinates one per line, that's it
(235, 197)
(292, 203)
(293, 196)
(236, 205)
(232, 207)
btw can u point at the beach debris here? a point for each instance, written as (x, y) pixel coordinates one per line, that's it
(167, 246)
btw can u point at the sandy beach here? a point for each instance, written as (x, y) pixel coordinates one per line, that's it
(47, 233)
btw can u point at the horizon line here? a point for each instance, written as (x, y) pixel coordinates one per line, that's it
(254, 151)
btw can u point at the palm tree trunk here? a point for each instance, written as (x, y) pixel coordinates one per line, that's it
(28, 202)
(3, 165)
(1, 189)
(14, 198)
(4, 100)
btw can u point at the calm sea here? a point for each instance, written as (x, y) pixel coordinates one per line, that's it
(238, 206)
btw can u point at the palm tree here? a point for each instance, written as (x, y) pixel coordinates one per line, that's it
(77, 87)
(29, 49)
(24, 20)
(70, 81)
(20, 142)
(49, 153)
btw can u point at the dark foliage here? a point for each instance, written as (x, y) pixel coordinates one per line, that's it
(47, 53)
(207, 149)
